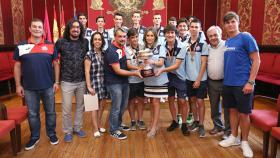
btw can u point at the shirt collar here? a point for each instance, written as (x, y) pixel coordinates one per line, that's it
(175, 45)
(219, 44)
(117, 45)
(30, 41)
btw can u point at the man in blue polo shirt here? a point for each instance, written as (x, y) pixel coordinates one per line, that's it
(33, 71)
(116, 72)
(82, 17)
(175, 66)
(196, 61)
(100, 22)
(157, 26)
(241, 65)
(136, 18)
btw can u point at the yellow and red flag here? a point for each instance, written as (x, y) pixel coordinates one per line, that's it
(55, 27)
(62, 22)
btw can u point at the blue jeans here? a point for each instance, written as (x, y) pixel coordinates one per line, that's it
(119, 96)
(32, 99)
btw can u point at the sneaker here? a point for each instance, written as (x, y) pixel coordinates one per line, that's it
(54, 140)
(102, 130)
(133, 126)
(97, 134)
(185, 129)
(173, 126)
(31, 144)
(247, 151)
(231, 141)
(119, 135)
(226, 135)
(124, 127)
(179, 119)
(68, 138)
(141, 125)
(194, 126)
(201, 131)
(190, 119)
(215, 131)
(80, 133)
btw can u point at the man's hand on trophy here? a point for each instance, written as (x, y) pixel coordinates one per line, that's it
(140, 67)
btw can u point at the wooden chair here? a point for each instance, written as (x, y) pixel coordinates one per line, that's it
(275, 133)
(8, 126)
(18, 114)
(265, 120)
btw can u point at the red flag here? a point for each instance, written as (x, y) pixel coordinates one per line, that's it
(47, 29)
(55, 27)
(62, 22)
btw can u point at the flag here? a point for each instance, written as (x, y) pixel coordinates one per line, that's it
(74, 8)
(62, 22)
(47, 29)
(55, 27)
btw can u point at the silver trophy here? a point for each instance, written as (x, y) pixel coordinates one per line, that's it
(144, 57)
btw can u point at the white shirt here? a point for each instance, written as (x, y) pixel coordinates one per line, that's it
(216, 61)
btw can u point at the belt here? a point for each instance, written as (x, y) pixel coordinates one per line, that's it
(216, 80)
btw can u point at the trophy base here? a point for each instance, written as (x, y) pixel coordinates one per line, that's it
(147, 73)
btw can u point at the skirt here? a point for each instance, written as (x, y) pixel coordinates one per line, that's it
(156, 91)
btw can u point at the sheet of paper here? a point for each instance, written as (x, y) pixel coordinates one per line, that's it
(91, 102)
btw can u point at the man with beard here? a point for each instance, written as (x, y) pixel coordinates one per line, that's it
(72, 48)
(116, 80)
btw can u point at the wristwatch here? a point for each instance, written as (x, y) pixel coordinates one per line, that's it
(252, 82)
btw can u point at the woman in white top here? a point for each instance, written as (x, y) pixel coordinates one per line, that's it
(155, 86)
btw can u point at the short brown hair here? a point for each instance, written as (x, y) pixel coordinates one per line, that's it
(230, 15)
(172, 18)
(182, 20)
(136, 12)
(169, 28)
(36, 20)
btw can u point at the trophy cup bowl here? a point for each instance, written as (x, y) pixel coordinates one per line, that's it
(146, 55)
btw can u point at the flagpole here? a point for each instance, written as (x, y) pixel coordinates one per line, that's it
(74, 8)
(59, 7)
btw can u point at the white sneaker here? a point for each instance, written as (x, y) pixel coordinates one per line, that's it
(247, 151)
(102, 130)
(230, 141)
(97, 134)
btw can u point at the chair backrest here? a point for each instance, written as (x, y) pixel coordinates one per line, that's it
(278, 109)
(278, 103)
(23, 101)
(3, 112)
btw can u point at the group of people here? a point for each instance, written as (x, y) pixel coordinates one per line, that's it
(107, 63)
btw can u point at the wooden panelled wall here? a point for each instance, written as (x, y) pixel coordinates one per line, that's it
(260, 17)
